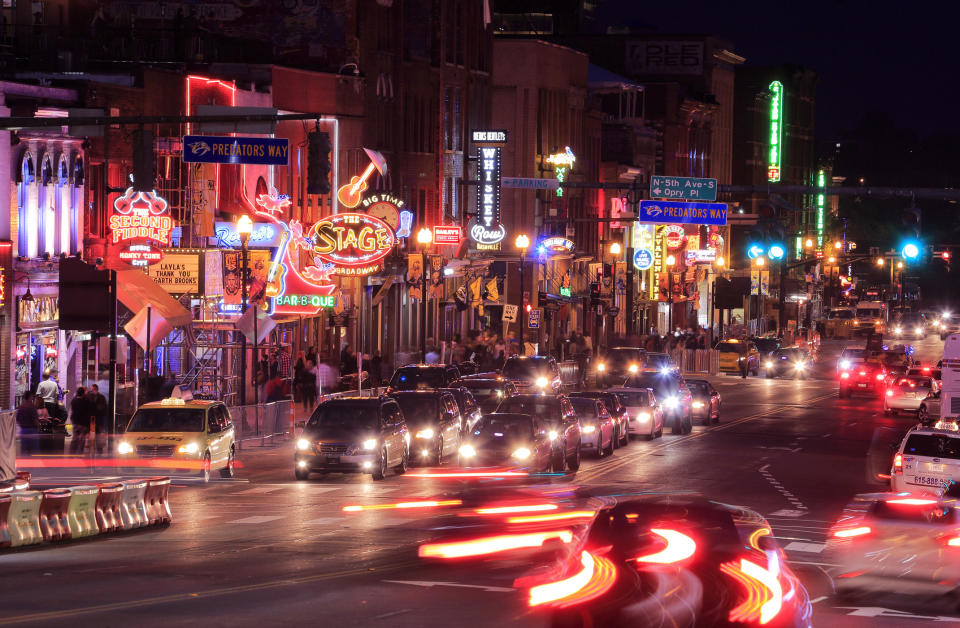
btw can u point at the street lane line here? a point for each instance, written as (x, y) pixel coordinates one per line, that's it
(425, 583)
(257, 519)
(799, 546)
(323, 521)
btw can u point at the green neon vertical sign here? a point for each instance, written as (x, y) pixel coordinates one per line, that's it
(821, 201)
(775, 161)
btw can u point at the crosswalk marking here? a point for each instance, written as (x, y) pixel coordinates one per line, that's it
(800, 546)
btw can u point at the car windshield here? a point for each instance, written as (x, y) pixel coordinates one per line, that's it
(698, 389)
(512, 428)
(414, 378)
(418, 408)
(732, 347)
(766, 345)
(167, 420)
(854, 354)
(624, 356)
(657, 360)
(869, 313)
(840, 315)
(662, 385)
(482, 390)
(634, 398)
(933, 446)
(586, 408)
(544, 408)
(345, 415)
(788, 353)
(525, 369)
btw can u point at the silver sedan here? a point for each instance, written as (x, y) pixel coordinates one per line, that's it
(906, 394)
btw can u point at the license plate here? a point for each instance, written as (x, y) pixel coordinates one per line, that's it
(333, 460)
(924, 480)
(933, 467)
(861, 385)
(910, 395)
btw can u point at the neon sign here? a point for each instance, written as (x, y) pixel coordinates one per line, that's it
(386, 207)
(774, 166)
(306, 300)
(446, 234)
(140, 225)
(821, 203)
(673, 236)
(557, 244)
(485, 229)
(353, 243)
(562, 162)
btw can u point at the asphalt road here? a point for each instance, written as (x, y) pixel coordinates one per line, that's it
(266, 550)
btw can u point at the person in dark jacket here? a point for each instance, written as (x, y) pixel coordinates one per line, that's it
(28, 420)
(99, 405)
(81, 413)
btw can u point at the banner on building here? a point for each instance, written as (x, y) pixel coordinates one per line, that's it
(415, 276)
(258, 266)
(493, 291)
(436, 278)
(620, 277)
(213, 273)
(178, 273)
(754, 282)
(765, 283)
(203, 198)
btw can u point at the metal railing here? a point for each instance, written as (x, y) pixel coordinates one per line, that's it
(264, 422)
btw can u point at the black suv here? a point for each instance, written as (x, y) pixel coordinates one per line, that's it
(353, 435)
(433, 418)
(558, 417)
(424, 377)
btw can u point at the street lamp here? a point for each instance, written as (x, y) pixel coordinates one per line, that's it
(720, 262)
(809, 243)
(424, 238)
(615, 249)
(832, 259)
(670, 261)
(761, 261)
(880, 261)
(522, 242)
(244, 230)
(838, 244)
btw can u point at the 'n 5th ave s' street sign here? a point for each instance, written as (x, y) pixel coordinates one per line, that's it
(220, 149)
(679, 212)
(686, 188)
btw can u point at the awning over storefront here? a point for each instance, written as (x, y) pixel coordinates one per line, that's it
(139, 293)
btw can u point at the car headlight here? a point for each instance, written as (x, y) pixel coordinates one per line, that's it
(427, 433)
(552, 435)
(370, 443)
(633, 368)
(799, 365)
(898, 330)
(303, 444)
(671, 402)
(697, 404)
(189, 448)
(664, 370)
(522, 453)
(643, 417)
(589, 429)
(541, 382)
(768, 364)
(601, 366)
(918, 330)
(124, 448)
(468, 451)
(844, 364)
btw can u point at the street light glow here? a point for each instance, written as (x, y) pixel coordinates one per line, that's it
(808, 243)
(522, 241)
(244, 225)
(615, 248)
(880, 261)
(832, 259)
(720, 262)
(761, 261)
(424, 236)
(899, 264)
(838, 244)
(671, 260)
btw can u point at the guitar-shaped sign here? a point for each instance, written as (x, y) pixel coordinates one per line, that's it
(351, 194)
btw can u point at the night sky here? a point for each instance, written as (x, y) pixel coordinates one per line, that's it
(901, 58)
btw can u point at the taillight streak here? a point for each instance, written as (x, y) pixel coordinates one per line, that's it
(556, 516)
(492, 544)
(403, 505)
(679, 547)
(852, 532)
(503, 510)
(595, 579)
(912, 501)
(764, 592)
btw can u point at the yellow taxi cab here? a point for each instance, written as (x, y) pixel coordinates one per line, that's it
(180, 434)
(737, 356)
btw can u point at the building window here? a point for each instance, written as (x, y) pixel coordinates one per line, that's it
(26, 219)
(46, 202)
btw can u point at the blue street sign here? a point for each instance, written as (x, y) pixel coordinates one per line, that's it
(688, 188)
(642, 259)
(678, 212)
(223, 149)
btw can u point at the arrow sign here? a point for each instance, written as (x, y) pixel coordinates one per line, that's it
(687, 188)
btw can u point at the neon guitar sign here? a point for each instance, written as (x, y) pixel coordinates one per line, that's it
(351, 193)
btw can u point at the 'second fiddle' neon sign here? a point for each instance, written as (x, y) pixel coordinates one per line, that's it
(141, 223)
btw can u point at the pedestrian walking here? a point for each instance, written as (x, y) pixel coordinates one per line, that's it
(308, 386)
(81, 413)
(99, 405)
(49, 391)
(28, 420)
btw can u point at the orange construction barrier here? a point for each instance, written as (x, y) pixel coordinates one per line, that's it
(54, 525)
(108, 507)
(155, 499)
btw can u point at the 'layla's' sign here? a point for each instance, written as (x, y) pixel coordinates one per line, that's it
(485, 229)
(140, 225)
(354, 243)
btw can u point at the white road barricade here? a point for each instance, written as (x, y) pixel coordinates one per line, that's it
(23, 519)
(82, 511)
(133, 511)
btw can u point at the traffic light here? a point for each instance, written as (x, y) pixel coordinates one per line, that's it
(910, 250)
(911, 221)
(776, 251)
(945, 256)
(318, 163)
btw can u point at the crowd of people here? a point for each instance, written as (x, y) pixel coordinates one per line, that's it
(42, 416)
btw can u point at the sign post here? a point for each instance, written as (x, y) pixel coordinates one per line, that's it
(679, 212)
(219, 149)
